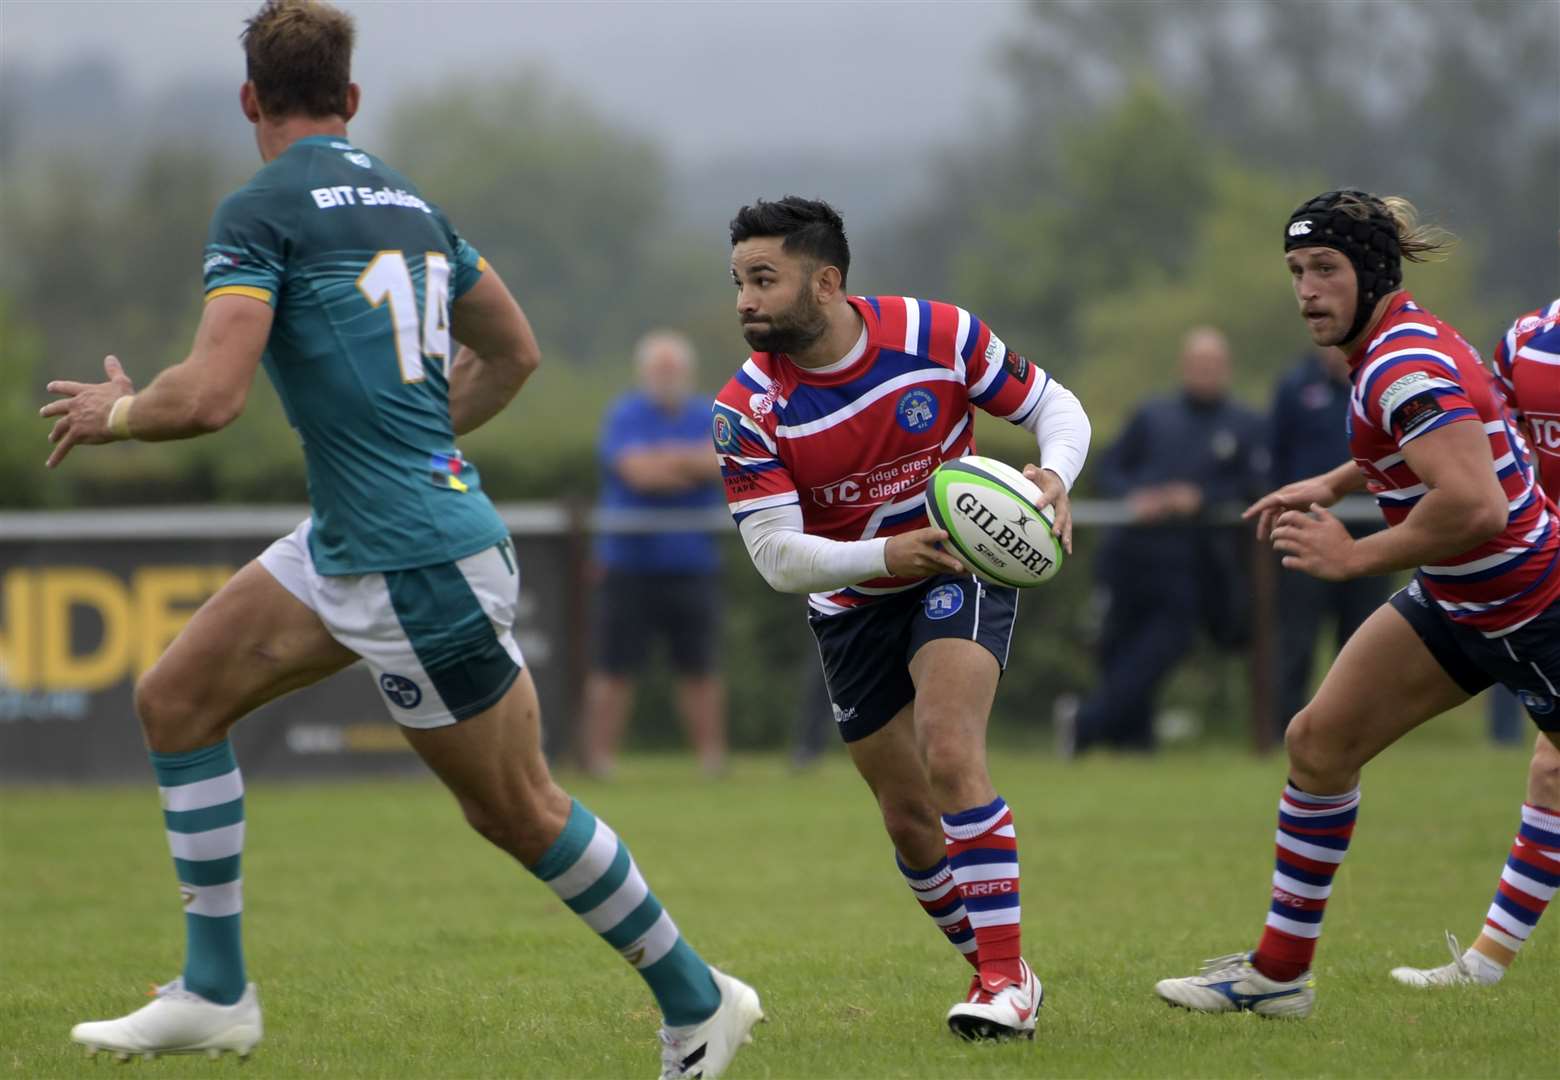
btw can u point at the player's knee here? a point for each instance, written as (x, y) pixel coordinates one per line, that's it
(165, 709)
(522, 825)
(910, 822)
(947, 744)
(1544, 775)
(494, 827)
(1315, 749)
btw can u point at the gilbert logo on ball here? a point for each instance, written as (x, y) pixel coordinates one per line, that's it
(988, 511)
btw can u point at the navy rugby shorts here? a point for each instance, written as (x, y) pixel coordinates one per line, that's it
(866, 651)
(1526, 661)
(633, 609)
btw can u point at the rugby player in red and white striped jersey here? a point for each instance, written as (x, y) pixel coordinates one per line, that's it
(827, 435)
(1527, 365)
(1434, 443)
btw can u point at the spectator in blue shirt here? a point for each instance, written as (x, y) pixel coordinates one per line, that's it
(655, 454)
(1309, 437)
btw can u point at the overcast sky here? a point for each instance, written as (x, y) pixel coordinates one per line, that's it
(701, 78)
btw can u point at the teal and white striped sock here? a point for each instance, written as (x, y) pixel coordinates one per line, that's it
(203, 809)
(591, 870)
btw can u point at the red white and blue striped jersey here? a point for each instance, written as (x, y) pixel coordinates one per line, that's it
(1527, 362)
(1418, 375)
(854, 446)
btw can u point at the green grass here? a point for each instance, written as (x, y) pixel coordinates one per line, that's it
(389, 941)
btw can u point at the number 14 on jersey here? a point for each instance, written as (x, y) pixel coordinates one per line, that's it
(387, 277)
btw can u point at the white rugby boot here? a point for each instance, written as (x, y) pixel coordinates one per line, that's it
(705, 1049)
(1232, 984)
(998, 1007)
(177, 1022)
(1466, 969)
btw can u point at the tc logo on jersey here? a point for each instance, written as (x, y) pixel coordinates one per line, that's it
(944, 601)
(1546, 430)
(1300, 228)
(917, 409)
(1537, 704)
(400, 690)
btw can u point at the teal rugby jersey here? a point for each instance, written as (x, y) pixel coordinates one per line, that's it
(361, 272)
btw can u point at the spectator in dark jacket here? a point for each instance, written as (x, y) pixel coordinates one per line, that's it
(1192, 452)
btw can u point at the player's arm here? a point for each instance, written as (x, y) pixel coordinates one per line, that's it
(498, 352)
(794, 561)
(1464, 506)
(1006, 385)
(204, 393)
(1062, 431)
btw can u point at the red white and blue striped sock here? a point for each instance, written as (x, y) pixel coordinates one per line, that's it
(983, 855)
(1313, 837)
(938, 894)
(1529, 881)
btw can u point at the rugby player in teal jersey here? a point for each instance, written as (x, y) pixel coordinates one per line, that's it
(386, 336)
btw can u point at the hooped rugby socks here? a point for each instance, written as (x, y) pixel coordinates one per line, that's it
(1313, 837)
(983, 857)
(938, 894)
(1529, 880)
(592, 872)
(203, 810)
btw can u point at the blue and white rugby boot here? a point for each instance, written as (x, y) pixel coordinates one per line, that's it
(177, 1022)
(1231, 984)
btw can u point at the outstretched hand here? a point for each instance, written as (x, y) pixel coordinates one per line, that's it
(1053, 493)
(83, 410)
(1301, 495)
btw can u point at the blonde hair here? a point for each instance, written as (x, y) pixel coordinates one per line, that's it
(1418, 241)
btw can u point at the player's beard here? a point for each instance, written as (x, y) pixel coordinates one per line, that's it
(791, 331)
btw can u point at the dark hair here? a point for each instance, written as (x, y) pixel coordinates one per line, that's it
(809, 227)
(298, 54)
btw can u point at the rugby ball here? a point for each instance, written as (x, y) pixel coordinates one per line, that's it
(988, 510)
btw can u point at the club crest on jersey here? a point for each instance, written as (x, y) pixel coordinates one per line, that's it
(916, 410)
(1537, 704)
(761, 405)
(400, 690)
(725, 433)
(944, 602)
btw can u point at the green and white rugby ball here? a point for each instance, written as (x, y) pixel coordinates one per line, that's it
(988, 511)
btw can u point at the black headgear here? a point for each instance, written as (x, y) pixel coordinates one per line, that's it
(1369, 243)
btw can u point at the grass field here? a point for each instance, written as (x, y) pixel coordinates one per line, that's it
(389, 941)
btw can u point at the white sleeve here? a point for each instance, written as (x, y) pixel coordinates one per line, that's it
(794, 562)
(1062, 429)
